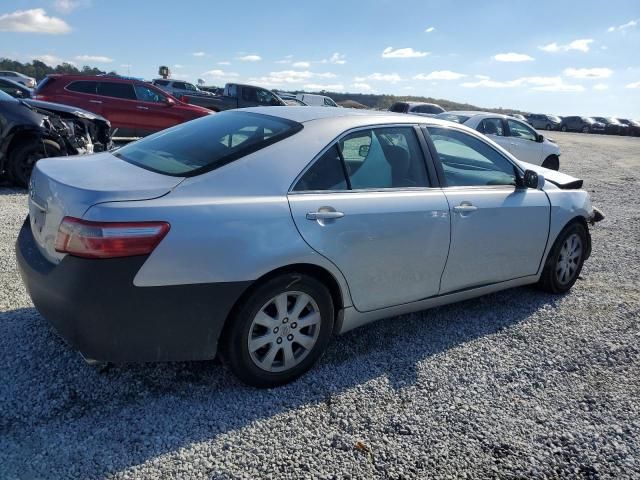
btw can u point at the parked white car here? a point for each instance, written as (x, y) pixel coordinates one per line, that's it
(515, 136)
(316, 100)
(18, 77)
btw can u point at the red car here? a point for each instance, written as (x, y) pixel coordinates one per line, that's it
(135, 108)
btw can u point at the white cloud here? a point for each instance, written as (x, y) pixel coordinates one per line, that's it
(33, 21)
(337, 59)
(381, 77)
(389, 52)
(581, 45)
(430, 29)
(198, 54)
(288, 77)
(588, 73)
(218, 74)
(67, 6)
(50, 60)
(545, 84)
(93, 58)
(624, 26)
(301, 65)
(316, 86)
(440, 75)
(512, 57)
(362, 86)
(601, 86)
(633, 85)
(250, 58)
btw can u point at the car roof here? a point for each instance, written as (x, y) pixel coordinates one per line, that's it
(95, 78)
(357, 116)
(472, 113)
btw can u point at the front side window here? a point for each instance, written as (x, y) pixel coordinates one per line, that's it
(491, 126)
(369, 159)
(265, 97)
(179, 86)
(188, 86)
(520, 130)
(208, 143)
(468, 161)
(146, 94)
(117, 90)
(329, 103)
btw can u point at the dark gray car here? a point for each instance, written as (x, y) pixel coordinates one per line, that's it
(541, 121)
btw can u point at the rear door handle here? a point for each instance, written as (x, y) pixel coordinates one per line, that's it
(140, 107)
(95, 101)
(324, 215)
(465, 207)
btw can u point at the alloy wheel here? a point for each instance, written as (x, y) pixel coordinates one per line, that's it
(284, 331)
(569, 259)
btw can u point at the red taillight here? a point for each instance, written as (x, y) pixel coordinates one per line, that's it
(83, 238)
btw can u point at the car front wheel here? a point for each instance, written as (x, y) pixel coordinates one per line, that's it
(565, 260)
(280, 331)
(24, 158)
(563, 128)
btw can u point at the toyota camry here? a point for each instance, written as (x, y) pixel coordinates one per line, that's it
(261, 233)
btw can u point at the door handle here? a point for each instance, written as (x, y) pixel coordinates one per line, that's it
(324, 215)
(95, 101)
(465, 207)
(140, 107)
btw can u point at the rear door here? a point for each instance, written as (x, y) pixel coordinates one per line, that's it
(119, 106)
(498, 231)
(366, 204)
(524, 143)
(80, 93)
(154, 111)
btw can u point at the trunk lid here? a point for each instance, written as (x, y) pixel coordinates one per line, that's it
(69, 186)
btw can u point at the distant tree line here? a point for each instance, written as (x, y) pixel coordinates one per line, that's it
(39, 70)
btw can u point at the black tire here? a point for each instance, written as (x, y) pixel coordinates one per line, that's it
(25, 155)
(563, 128)
(241, 328)
(547, 126)
(552, 162)
(550, 280)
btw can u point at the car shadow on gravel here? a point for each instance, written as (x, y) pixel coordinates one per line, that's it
(104, 421)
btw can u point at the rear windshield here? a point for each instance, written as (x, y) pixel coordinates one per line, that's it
(205, 144)
(453, 117)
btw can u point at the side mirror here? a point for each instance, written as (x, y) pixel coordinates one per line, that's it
(533, 180)
(170, 102)
(363, 151)
(540, 138)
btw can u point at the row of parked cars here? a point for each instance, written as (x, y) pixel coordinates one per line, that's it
(575, 123)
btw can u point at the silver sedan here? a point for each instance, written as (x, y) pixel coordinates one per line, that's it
(260, 233)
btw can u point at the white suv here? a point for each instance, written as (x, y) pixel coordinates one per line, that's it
(514, 135)
(18, 77)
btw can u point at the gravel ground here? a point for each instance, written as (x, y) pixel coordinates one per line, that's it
(512, 385)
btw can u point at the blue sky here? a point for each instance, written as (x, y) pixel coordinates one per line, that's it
(564, 57)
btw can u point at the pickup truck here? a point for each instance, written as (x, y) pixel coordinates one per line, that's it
(235, 96)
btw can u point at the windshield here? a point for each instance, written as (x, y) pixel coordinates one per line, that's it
(453, 117)
(553, 118)
(588, 120)
(6, 96)
(205, 144)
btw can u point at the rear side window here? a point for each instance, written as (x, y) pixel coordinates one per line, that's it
(116, 90)
(162, 83)
(79, 86)
(208, 143)
(491, 126)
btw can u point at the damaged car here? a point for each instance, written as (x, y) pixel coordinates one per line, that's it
(32, 129)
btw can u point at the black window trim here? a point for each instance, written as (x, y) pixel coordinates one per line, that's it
(66, 87)
(426, 155)
(295, 128)
(440, 170)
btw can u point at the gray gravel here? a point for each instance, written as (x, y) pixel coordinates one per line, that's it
(512, 385)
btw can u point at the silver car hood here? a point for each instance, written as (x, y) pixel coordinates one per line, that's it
(561, 180)
(69, 186)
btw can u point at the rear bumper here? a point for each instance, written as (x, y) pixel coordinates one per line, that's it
(95, 307)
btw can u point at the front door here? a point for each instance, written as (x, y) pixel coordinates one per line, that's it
(524, 143)
(366, 205)
(498, 231)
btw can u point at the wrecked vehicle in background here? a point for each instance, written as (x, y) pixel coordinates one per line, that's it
(32, 129)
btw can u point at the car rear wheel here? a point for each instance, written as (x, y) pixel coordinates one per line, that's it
(565, 260)
(563, 128)
(280, 331)
(25, 155)
(547, 126)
